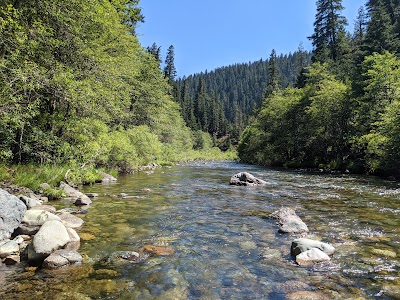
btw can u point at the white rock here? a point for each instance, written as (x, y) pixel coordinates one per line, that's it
(52, 236)
(311, 256)
(38, 217)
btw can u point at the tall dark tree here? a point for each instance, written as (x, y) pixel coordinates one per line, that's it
(155, 50)
(382, 33)
(169, 68)
(329, 30)
(273, 74)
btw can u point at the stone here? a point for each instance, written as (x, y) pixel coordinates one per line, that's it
(157, 250)
(301, 245)
(107, 178)
(83, 200)
(305, 295)
(48, 208)
(12, 210)
(289, 221)
(44, 186)
(62, 258)
(8, 248)
(123, 256)
(38, 217)
(30, 202)
(309, 257)
(75, 240)
(12, 259)
(246, 179)
(51, 236)
(69, 220)
(77, 196)
(92, 195)
(86, 236)
(385, 253)
(25, 229)
(291, 286)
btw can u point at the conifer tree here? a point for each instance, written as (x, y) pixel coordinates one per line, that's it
(155, 50)
(329, 30)
(169, 68)
(382, 34)
(273, 74)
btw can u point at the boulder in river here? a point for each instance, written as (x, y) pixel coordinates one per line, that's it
(107, 178)
(309, 257)
(246, 179)
(302, 245)
(79, 197)
(62, 258)
(52, 236)
(12, 210)
(69, 220)
(289, 221)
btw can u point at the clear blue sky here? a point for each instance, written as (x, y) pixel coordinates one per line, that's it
(208, 34)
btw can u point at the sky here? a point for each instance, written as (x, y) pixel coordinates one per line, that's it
(208, 34)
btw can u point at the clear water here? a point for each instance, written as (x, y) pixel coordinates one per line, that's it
(225, 247)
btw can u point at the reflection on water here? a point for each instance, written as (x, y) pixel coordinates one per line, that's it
(225, 247)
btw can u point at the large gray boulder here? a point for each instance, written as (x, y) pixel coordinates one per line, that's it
(289, 221)
(302, 245)
(12, 210)
(246, 179)
(52, 236)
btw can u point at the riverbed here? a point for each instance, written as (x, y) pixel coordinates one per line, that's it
(224, 245)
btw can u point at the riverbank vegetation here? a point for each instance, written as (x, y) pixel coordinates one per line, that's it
(343, 113)
(77, 90)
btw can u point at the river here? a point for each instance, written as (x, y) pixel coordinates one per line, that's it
(224, 245)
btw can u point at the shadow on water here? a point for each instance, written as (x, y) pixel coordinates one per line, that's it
(224, 245)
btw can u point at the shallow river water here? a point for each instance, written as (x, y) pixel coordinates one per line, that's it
(224, 245)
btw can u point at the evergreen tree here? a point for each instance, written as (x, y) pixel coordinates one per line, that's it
(329, 30)
(382, 33)
(156, 52)
(273, 74)
(169, 68)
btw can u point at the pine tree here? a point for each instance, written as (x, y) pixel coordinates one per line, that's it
(169, 68)
(155, 50)
(273, 74)
(329, 30)
(382, 33)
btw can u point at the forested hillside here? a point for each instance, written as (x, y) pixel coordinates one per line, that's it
(345, 112)
(77, 87)
(221, 101)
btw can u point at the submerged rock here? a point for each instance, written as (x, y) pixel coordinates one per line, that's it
(289, 221)
(246, 179)
(12, 210)
(123, 256)
(157, 250)
(305, 295)
(302, 245)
